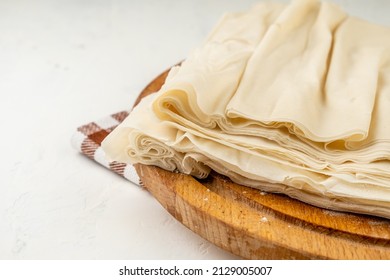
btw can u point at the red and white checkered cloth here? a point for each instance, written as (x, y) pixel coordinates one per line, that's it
(87, 140)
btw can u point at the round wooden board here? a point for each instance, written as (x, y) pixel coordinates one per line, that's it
(256, 225)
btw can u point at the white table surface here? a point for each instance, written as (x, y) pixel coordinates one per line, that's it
(67, 62)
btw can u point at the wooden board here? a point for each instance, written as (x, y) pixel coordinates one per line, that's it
(256, 225)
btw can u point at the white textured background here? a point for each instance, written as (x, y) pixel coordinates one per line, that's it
(67, 62)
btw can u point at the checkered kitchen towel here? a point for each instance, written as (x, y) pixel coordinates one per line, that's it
(87, 140)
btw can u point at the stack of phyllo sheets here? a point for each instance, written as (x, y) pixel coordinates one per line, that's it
(286, 98)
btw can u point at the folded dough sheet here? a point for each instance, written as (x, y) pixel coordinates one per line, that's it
(285, 98)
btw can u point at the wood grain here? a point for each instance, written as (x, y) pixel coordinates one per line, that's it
(256, 225)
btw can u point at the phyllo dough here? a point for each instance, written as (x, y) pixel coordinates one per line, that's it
(286, 98)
